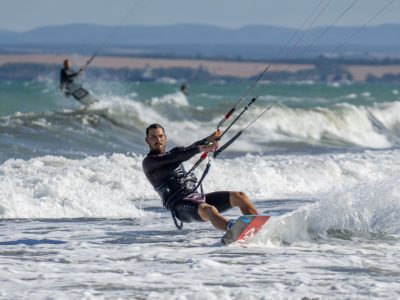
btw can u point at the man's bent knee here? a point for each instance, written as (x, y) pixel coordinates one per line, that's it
(238, 198)
(207, 210)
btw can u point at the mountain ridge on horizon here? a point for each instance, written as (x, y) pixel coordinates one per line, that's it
(191, 33)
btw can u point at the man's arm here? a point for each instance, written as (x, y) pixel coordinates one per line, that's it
(180, 154)
(71, 74)
(176, 155)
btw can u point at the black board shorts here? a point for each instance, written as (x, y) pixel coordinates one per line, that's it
(186, 210)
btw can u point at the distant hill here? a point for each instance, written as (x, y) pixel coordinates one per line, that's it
(382, 35)
(190, 39)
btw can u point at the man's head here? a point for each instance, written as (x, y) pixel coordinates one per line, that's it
(66, 63)
(184, 88)
(156, 138)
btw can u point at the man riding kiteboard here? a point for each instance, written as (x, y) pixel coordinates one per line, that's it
(67, 75)
(178, 188)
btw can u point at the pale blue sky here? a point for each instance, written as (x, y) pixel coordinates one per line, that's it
(22, 15)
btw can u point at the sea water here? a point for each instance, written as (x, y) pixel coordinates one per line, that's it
(80, 221)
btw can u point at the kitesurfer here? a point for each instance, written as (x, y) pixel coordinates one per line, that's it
(67, 75)
(177, 188)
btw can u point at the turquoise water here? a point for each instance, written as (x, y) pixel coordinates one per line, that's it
(36, 119)
(43, 96)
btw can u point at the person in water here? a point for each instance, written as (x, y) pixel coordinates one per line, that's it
(184, 89)
(67, 75)
(176, 187)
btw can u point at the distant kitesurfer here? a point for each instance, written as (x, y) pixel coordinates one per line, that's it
(177, 188)
(67, 75)
(70, 88)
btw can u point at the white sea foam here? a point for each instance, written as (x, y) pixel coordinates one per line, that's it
(211, 96)
(166, 80)
(351, 96)
(54, 187)
(305, 82)
(344, 242)
(178, 99)
(335, 84)
(360, 211)
(366, 94)
(139, 115)
(294, 100)
(114, 186)
(344, 124)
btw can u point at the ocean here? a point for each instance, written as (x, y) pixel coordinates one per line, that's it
(78, 219)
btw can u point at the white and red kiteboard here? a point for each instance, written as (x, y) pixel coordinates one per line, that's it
(244, 228)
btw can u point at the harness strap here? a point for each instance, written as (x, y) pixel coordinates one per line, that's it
(205, 172)
(179, 226)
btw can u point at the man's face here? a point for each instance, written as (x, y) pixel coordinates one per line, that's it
(157, 140)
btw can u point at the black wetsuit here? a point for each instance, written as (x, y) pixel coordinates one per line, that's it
(66, 77)
(160, 168)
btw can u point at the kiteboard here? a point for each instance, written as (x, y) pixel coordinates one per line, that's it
(244, 228)
(79, 93)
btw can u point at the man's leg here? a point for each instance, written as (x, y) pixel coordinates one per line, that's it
(240, 199)
(210, 213)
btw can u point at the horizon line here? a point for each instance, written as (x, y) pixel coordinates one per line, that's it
(192, 24)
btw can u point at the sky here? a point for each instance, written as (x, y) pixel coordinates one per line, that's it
(25, 15)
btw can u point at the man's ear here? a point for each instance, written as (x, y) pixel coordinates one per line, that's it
(147, 140)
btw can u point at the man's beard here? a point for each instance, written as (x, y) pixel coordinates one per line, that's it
(159, 149)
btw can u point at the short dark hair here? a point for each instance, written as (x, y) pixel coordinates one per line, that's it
(153, 126)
